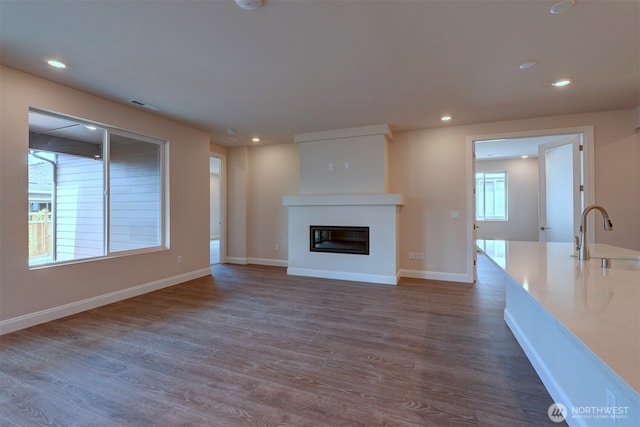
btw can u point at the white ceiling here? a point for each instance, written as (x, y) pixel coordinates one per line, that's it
(296, 66)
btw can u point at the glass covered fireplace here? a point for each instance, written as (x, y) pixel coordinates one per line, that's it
(339, 239)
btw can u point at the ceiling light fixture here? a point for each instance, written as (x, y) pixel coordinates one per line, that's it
(561, 82)
(256, 139)
(562, 6)
(524, 156)
(56, 64)
(527, 64)
(90, 127)
(445, 118)
(249, 4)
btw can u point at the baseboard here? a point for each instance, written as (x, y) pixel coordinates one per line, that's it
(43, 316)
(268, 261)
(435, 275)
(236, 260)
(343, 275)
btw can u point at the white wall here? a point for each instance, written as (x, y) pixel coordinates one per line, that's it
(27, 291)
(522, 198)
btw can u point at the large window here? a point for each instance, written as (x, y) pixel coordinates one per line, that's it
(491, 196)
(94, 191)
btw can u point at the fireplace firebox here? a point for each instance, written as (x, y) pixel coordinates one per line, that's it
(339, 239)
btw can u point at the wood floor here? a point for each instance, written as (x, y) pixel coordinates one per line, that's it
(253, 346)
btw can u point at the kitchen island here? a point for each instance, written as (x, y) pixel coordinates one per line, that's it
(578, 323)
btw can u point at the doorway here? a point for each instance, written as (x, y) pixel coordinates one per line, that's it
(537, 196)
(216, 199)
(528, 221)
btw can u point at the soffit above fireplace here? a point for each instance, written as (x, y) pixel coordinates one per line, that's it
(326, 135)
(345, 161)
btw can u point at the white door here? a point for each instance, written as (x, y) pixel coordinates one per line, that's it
(560, 203)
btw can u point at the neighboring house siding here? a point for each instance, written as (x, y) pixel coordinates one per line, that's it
(135, 195)
(79, 208)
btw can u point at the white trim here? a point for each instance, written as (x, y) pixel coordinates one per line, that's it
(268, 261)
(236, 260)
(436, 275)
(343, 275)
(47, 315)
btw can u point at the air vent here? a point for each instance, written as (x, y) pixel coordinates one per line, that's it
(143, 105)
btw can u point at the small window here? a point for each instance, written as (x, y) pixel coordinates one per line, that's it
(491, 196)
(93, 190)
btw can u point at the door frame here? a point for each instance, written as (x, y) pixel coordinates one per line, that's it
(588, 168)
(223, 204)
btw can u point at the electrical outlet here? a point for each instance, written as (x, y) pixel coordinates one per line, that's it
(179, 259)
(277, 247)
(412, 255)
(419, 255)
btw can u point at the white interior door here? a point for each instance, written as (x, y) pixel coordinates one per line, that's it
(559, 204)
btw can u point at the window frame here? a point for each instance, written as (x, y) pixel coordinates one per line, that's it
(485, 217)
(163, 224)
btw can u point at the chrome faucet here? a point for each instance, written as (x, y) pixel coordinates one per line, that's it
(582, 246)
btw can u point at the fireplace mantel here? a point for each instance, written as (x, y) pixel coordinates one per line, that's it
(343, 200)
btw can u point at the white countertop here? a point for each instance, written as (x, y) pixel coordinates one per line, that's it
(601, 307)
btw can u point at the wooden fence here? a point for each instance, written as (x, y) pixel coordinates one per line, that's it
(40, 235)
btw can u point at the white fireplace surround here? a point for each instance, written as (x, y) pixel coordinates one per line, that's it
(377, 211)
(344, 181)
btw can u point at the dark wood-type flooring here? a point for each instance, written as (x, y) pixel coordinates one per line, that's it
(253, 346)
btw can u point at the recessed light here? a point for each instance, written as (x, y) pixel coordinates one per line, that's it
(561, 82)
(56, 64)
(256, 139)
(527, 64)
(524, 157)
(90, 127)
(562, 6)
(445, 118)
